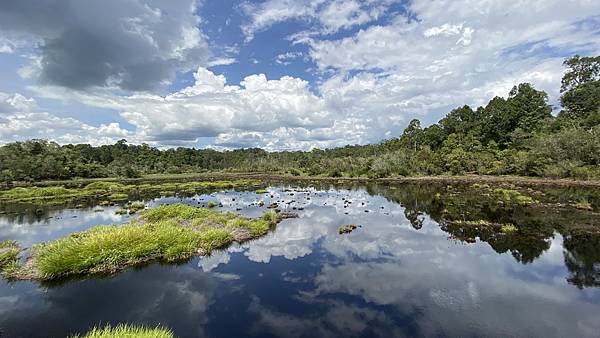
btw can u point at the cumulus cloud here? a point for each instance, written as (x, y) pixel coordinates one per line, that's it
(420, 63)
(134, 45)
(20, 119)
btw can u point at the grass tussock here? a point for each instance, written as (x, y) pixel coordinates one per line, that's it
(9, 251)
(127, 331)
(167, 233)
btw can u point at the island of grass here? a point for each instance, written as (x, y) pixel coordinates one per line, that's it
(113, 191)
(166, 233)
(127, 331)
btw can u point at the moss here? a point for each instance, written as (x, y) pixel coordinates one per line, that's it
(167, 233)
(127, 331)
(211, 204)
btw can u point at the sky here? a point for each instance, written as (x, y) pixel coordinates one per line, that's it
(275, 74)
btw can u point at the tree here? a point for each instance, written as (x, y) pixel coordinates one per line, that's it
(580, 70)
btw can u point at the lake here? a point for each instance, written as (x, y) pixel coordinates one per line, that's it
(425, 260)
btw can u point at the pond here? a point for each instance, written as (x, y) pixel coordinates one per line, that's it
(424, 260)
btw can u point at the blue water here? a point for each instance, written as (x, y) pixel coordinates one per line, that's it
(387, 278)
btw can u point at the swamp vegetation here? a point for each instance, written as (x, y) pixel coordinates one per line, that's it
(168, 233)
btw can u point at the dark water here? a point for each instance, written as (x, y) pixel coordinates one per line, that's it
(404, 272)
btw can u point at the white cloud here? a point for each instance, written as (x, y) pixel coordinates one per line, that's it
(20, 119)
(330, 16)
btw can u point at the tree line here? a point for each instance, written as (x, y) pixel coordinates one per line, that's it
(517, 135)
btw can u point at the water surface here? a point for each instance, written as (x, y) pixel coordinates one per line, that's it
(403, 272)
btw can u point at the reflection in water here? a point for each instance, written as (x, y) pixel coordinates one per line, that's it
(426, 261)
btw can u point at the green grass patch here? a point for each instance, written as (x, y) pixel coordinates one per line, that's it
(113, 191)
(9, 251)
(167, 233)
(512, 197)
(508, 228)
(127, 331)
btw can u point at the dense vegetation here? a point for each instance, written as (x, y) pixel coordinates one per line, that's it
(517, 136)
(168, 233)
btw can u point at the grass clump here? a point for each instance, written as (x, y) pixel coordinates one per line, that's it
(168, 233)
(39, 194)
(9, 250)
(583, 204)
(135, 207)
(127, 331)
(508, 228)
(512, 197)
(107, 186)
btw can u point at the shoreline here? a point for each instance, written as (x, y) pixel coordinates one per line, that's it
(212, 176)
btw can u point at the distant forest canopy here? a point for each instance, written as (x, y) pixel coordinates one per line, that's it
(516, 136)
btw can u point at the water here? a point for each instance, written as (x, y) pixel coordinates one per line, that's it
(401, 273)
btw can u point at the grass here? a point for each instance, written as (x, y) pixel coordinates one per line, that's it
(135, 207)
(512, 197)
(508, 228)
(112, 191)
(583, 204)
(9, 250)
(167, 233)
(127, 331)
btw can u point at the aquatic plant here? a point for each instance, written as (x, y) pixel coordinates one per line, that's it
(127, 331)
(112, 191)
(168, 233)
(511, 196)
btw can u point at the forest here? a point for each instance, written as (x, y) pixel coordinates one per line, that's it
(517, 135)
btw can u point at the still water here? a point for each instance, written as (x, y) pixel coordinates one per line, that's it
(400, 273)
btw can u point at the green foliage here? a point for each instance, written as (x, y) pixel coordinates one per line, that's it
(516, 135)
(9, 250)
(168, 233)
(127, 331)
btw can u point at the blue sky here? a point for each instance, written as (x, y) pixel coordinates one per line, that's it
(277, 74)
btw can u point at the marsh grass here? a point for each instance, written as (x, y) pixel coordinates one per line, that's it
(9, 251)
(112, 191)
(127, 331)
(167, 233)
